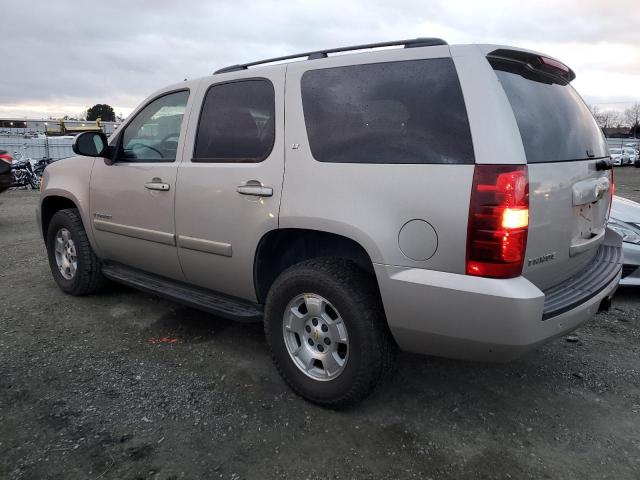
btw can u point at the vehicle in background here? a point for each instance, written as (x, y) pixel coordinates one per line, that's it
(619, 158)
(625, 220)
(6, 175)
(448, 200)
(632, 154)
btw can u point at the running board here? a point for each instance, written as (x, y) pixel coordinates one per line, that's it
(196, 297)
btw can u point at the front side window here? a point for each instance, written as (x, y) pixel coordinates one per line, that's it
(152, 136)
(237, 123)
(396, 112)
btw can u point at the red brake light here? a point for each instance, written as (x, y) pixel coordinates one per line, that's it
(550, 62)
(498, 221)
(612, 191)
(6, 157)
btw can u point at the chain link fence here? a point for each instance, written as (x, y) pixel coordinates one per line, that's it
(623, 142)
(54, 148)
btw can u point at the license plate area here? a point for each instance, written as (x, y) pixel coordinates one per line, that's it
(589, 226)
(583, 222)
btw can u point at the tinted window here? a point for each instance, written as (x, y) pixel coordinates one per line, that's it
(397, 112)
(237, 123)
(152, 136)
(555, 124)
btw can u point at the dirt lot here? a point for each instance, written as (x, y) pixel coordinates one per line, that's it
(86, 393)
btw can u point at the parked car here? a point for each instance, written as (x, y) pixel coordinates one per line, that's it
(625, 220)
(631, 153)
(6, 175)
(404, 216)
(619, 157)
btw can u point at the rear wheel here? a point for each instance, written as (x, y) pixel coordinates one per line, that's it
(74, 265)
(327, 331)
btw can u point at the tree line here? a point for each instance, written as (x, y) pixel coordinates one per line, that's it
(100, 110)
(629, 118)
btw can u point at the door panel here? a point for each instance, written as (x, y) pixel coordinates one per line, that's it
(132, 201)
(229, 197)
(134, 225)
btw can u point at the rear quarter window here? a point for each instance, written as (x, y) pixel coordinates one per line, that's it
(554, 122)
(395, 112)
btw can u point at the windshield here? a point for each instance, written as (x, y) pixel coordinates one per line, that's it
(554, 122)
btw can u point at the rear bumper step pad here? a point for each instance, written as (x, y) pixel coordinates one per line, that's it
(585, 284)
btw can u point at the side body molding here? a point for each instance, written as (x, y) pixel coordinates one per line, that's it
(135, 232)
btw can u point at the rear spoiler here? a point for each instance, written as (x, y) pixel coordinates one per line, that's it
(534, 61)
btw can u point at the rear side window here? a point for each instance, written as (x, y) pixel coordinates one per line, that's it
(237, 123)
(396, 112)
(554, 123)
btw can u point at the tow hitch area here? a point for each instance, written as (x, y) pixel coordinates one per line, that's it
(605, 304)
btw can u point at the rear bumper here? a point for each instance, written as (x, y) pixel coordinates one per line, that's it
(461, 316)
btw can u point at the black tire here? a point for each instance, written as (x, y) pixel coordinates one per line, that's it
(354, 293)
(88, 277)
(34, 182)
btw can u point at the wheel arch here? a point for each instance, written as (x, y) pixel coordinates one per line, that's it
(49, 206)
(279, 249)
(56, 200)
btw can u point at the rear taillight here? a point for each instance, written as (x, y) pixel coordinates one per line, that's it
(612, 191)
(6, 157)
(498, 221)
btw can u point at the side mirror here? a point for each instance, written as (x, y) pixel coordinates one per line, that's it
(90, 144)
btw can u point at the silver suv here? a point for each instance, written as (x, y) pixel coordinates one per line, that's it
(446, 200)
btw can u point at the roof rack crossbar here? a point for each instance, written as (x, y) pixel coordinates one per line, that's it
(416, 42)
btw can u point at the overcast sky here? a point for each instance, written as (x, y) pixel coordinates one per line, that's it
(60, 57)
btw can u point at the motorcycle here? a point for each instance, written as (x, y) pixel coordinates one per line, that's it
(28, 173)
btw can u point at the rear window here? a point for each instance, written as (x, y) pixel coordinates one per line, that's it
(395, 112)
(554, 122)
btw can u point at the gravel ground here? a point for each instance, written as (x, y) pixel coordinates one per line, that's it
(87, 391)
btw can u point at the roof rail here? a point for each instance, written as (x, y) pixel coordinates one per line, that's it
(416, 42)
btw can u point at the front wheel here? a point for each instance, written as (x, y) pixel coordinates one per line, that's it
(327, 332)
(74, 265)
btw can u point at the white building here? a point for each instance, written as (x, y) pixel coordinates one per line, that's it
(21, 125)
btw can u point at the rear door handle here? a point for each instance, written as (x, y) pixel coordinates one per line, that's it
(255, 188)
(157, 184)
(590, 190)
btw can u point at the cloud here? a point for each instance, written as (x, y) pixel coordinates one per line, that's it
(71, 54)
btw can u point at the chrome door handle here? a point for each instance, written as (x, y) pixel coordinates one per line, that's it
(163, 187)
(255, 188)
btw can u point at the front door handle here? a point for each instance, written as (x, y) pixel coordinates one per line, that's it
(157, 184)
(255, 188)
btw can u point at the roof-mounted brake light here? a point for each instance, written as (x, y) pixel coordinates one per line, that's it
(550, 62)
